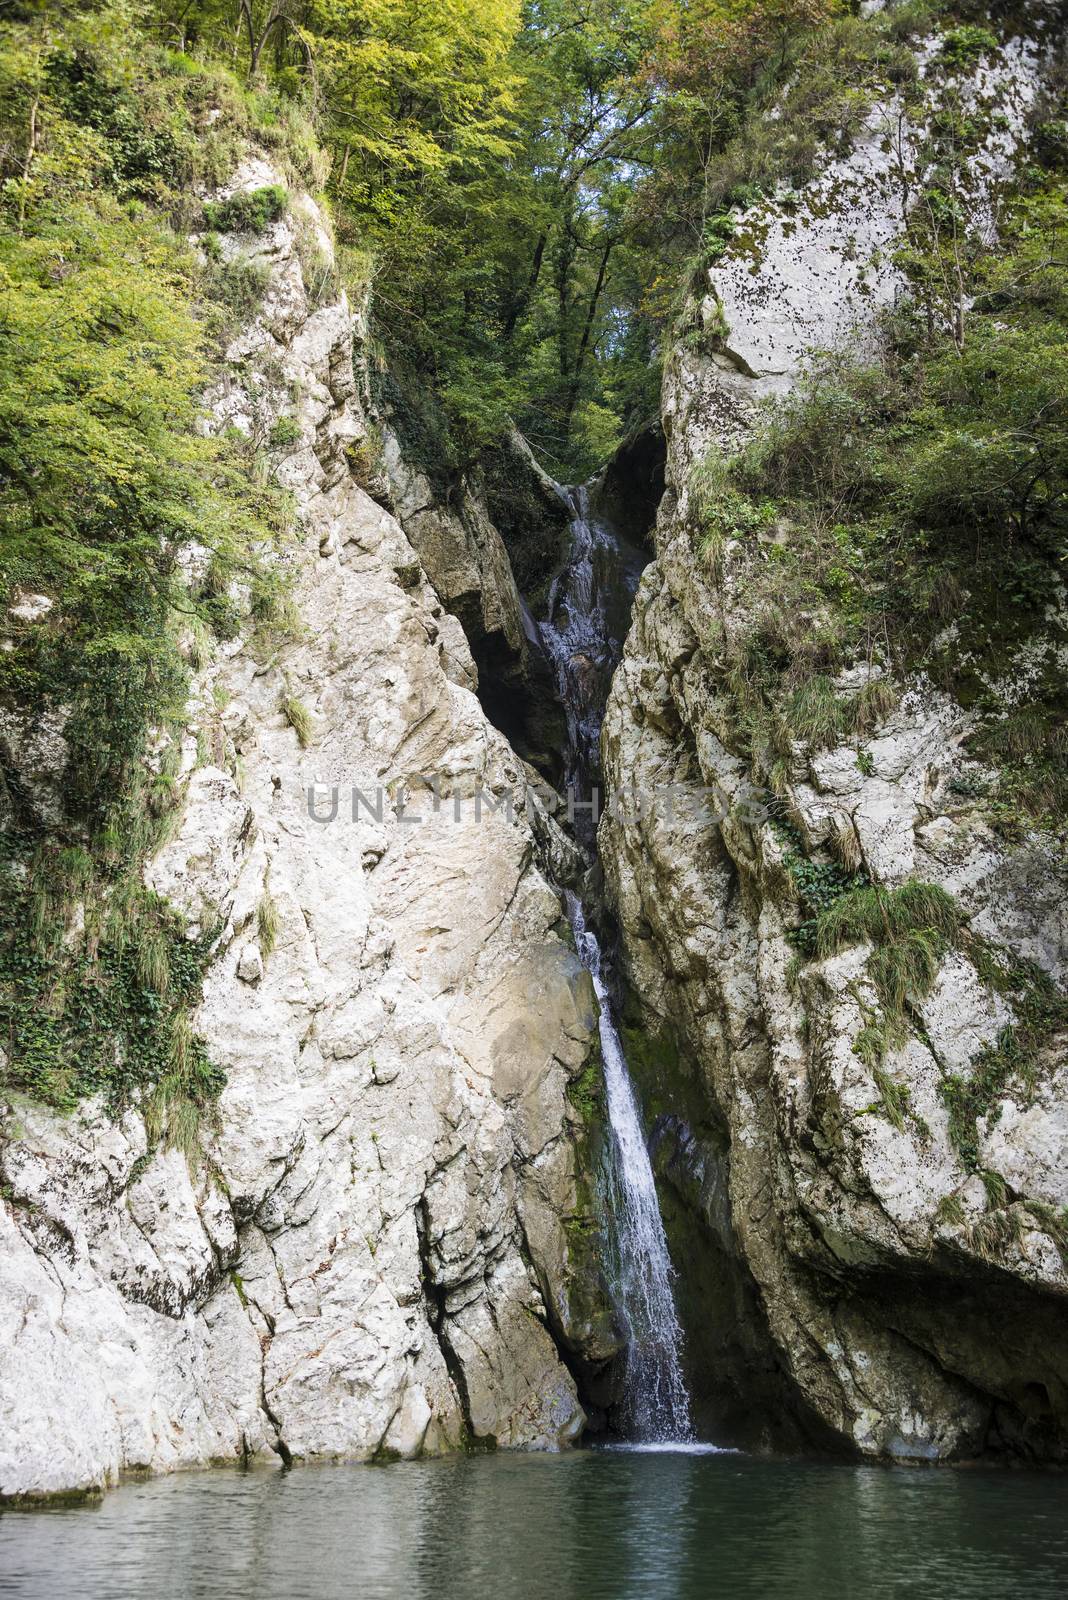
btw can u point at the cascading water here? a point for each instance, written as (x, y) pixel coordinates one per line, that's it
(656, 1403)
(589, 613)
(589, 606)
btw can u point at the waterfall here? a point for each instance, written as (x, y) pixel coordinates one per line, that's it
(588, 616)
(656, 1403)
(589, 606)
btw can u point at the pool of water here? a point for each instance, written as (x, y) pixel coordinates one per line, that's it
(623, 1525)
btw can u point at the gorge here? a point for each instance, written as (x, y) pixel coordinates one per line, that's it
(491, 966)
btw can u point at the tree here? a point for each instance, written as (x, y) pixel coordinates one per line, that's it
(275, 18)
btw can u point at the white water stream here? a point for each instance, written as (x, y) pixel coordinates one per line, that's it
(583, 635)
(656, 1404)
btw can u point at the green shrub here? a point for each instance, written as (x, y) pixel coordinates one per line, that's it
(239, 285)
(319, 267)
(815, 713)
(950, 1211)
(284, 431)
(719, 509)
(250, 212)
(720, 230)
(967, 45)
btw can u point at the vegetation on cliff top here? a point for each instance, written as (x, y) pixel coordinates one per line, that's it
(588, 149)
(107, 485)
(594, 152)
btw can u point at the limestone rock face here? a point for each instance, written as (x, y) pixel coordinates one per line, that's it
(914, 1309)
(371, 1258)
(811, 272)
(467, 561)
(460, 549)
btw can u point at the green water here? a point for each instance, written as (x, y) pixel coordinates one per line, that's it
(588, 1525)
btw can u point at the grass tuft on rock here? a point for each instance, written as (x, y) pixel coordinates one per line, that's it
(880, 916)
(910, 928)
(299, 718)
(250, 212)
(268, 922)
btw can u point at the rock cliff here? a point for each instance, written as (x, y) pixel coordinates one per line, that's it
(387, 1242)
(473, 565)
(902, 1296)
(371, 1256)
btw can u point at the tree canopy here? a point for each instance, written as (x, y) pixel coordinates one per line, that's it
(528, 175)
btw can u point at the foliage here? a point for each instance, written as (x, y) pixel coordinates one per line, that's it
(107, 483)
(586, 1091)
(722, 511)
(237, 285)
(284, 432)
(893, 1097)
(755, 92)
(576, 141)
(418, 102)
(109, 1017)
(967, 45)
(268, 922)
(909, 928)
(950, 1211)
(1052, 1220)
(996, 1232)
(299, 718)
(878, 916)
(817, 884)
(591, 147)
(103, 474)
(250, 212)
